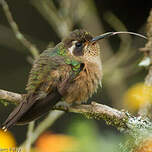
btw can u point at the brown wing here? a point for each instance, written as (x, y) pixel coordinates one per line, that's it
(54, 94)
(47, 85)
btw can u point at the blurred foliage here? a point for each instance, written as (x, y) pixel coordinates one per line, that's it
(86, 134)
(90, 140)
(43, 21)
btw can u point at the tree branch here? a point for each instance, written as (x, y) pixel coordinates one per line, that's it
(12, 97)
(114, 117)
(98, 111)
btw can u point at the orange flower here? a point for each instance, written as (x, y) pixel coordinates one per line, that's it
(6, 140)
(138, 95)
(55, 142)
(145, 146)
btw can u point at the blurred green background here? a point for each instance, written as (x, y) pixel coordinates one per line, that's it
(120, 55)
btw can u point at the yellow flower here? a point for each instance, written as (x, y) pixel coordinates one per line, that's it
(6, 140)
(137, 96)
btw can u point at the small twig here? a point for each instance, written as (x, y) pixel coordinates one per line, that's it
(48, 10)
(46, 123)
(29, 136)
(34, 51)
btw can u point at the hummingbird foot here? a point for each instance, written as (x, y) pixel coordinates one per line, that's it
(62, 105)
(4, 128)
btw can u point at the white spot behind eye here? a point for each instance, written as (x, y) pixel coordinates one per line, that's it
(71, 49)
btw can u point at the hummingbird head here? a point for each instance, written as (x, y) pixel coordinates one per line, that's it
(80, 45)
(83, 45)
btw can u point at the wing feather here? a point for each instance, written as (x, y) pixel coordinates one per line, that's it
(49, 79)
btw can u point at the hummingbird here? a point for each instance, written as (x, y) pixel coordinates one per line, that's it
(69, 72)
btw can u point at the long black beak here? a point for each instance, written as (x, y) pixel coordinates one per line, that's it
(108, 34)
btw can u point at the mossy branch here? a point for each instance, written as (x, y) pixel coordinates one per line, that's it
(12, 97)
(119, 119)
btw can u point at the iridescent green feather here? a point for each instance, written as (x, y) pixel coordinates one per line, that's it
(50, 60)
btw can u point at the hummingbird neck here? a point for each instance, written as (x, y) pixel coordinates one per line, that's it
(94, 60)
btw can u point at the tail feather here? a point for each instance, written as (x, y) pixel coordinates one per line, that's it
(40, 108)
(17, 113)
(11, 118)
(32, 109)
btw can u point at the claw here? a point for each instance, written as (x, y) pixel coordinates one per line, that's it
(63, 105)
(4, 129)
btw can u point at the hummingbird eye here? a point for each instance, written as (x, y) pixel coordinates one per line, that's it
(78, 48)
(78, 44)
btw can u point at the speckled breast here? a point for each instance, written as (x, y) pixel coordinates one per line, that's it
(85, 84)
